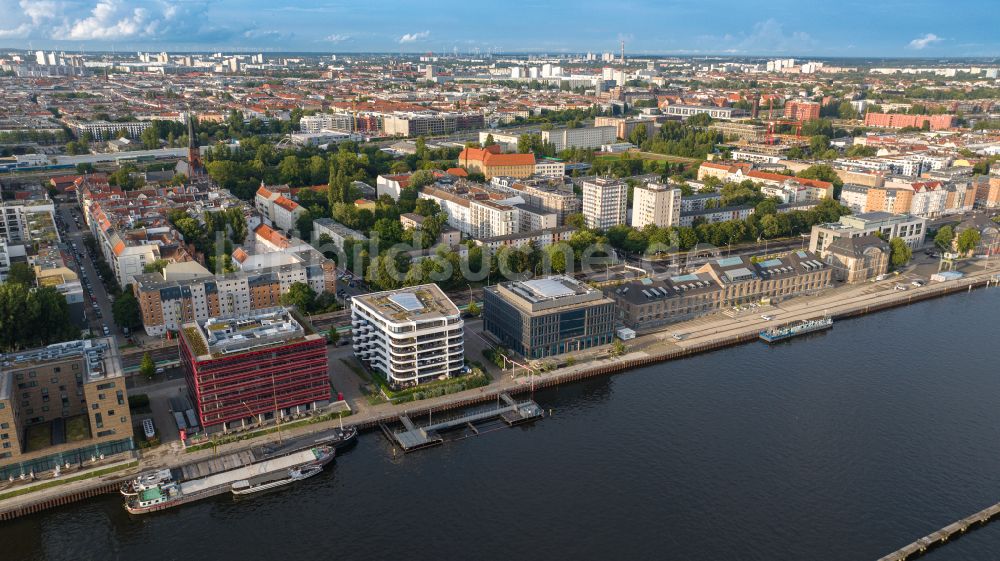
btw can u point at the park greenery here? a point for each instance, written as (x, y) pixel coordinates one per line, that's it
(33, 317)
(227, 227)
(242, 169)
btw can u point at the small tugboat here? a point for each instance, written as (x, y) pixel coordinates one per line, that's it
(775, 334)
(341, 438)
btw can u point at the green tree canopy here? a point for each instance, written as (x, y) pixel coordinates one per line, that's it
(21, 273)
(944, 237)
(126, 310)
(147, 367)
(968, 240)
(33, 317)
(300, 295)
(899, 252)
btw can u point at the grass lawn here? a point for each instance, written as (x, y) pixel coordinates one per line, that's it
(77, 428)
(38, 436)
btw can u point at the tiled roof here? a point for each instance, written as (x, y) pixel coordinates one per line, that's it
(286, 203)
(270, 234)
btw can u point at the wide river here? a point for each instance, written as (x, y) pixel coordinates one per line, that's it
(837, 446)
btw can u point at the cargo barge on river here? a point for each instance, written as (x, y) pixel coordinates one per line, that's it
(166, 488)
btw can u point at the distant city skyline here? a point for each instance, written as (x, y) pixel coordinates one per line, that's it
(892, 28)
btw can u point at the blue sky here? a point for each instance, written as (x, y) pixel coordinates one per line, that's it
(915, 28)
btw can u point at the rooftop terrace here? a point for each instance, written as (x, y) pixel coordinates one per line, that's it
(413, 303)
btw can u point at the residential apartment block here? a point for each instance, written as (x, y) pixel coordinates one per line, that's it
(167, 303)
(802, 110)
(411, 335)
(657, 204)
(104, 130)
(583, 137)
(604, 202)
(65, 403)
(900, 120)
(277, 209)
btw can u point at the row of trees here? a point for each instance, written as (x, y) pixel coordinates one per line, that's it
(33, 317)
(965, 243)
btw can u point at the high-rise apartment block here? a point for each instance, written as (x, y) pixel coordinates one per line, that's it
(657, 204)
(604, 202)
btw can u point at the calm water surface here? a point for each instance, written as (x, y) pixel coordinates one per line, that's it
(837, 446)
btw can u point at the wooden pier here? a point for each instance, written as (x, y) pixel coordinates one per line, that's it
(944, 534)
(414, 437)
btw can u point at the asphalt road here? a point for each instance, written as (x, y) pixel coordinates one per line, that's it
(96, 292)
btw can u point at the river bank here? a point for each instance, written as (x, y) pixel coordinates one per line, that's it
(703, 334)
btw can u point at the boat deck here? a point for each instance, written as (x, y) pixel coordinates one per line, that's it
(212, 466)
(220, 482)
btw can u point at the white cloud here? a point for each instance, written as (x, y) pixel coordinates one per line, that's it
(765, 37)
(414, 37)
(769, 36)
(920, 43)
(109, 19)
(41, 11)
(19, 32)
(337, 38)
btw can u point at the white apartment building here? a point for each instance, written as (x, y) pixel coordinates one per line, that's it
(127, 259)
(585, 137)
(550, 168)
(105, 130)
(507, 141)
(15, 218)
(854, 197)
(321, 122)
(410, 335)
(605, 203)
(531, 218)
(336, 231)
(4, 260)
(656, 203)
(277, 209)
(457, 208)
(488, 219)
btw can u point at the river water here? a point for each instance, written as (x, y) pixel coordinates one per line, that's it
(843, 445)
